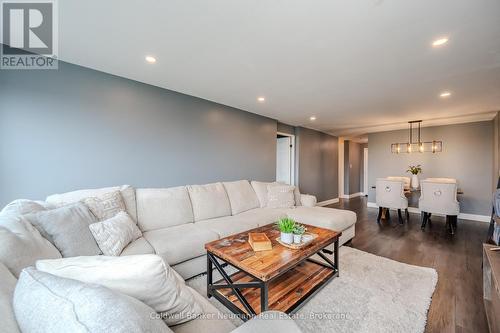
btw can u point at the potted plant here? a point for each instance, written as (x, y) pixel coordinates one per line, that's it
(414, 170)
(286, 226)
(298, 231)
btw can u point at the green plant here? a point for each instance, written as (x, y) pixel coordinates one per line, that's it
(299, 229)
(286, 225)
(414, 169)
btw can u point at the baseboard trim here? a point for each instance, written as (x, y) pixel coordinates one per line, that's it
(464, 216)
(350, 196)
(327, 202)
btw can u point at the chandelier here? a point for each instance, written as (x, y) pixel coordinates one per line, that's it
(415, 144)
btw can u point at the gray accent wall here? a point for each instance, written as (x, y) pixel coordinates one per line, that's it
(317, 163)
(75, 128)
(467, 156)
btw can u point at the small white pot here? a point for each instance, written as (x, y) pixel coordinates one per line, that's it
(286, 238)
(414, 181)
(297, 239)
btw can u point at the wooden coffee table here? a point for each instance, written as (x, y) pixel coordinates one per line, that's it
(280, 279)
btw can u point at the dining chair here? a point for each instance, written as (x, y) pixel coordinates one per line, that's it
(406, 180)
(439, 197)
(442, 180)
(390, 195)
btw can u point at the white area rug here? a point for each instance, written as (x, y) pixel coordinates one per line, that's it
(372, 294)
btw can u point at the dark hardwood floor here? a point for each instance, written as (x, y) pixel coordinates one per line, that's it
(457, 304)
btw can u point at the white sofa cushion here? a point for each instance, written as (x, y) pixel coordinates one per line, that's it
(67, 227)
(139, 246)
(181, 242)
(260, 189)
(48, 303)
(307, 200)
(330, 218)
(7, 286)
(114, 234)
(280, 196)
(159, 208)
(209, 201)
(145, 277)
(241, 195)
(24, 206)
(21, 244)
(228, 225)
(127, 192)
(105, 206)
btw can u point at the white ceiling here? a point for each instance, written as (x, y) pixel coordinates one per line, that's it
(355, 65)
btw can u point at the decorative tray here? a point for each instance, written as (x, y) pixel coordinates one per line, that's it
(301, 244)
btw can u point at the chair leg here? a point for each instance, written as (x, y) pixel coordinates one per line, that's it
(387, 214)
(400, 217)
(425, 217)
(379, 214)
(407, 215)
(451, 220)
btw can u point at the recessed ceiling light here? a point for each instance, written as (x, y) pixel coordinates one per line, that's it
(150, 59)
(440, 41)
(445, 94)
(261, 99)
(312, 118)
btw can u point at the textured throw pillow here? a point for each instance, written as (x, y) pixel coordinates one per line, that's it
(114, 234)
(280, 196)
(48, 303)
(106, 205)
(67, 228)
(145, 277)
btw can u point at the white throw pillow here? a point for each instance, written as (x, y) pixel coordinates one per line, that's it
(145, 277)
(260, 189)
(106, 205)
(280, 196)
(114, 234)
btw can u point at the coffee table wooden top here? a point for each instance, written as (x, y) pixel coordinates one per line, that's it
(266, 265)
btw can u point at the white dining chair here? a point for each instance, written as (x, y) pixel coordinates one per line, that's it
(390, 195)
(406, 180)
(442, 180)
(439, 198)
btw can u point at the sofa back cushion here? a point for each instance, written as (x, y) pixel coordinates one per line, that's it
(159, 208)
(7, 286)
(260, 189)
(209, 201)
(24, 206)
(241, 195)
(47, 303)
(127, 192)
(21, 244)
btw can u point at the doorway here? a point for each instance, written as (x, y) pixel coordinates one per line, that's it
(365, 171)
(285, 158)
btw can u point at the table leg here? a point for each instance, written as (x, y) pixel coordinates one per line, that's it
(209, 276)
(264, 300)
(336, 255)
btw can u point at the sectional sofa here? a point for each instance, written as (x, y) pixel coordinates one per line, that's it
(175, 223)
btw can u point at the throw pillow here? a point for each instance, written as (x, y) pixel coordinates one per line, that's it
(114, 234)
(145, 277)
(280, 196)
(67, 228)
(47, 303)
(106, 205)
